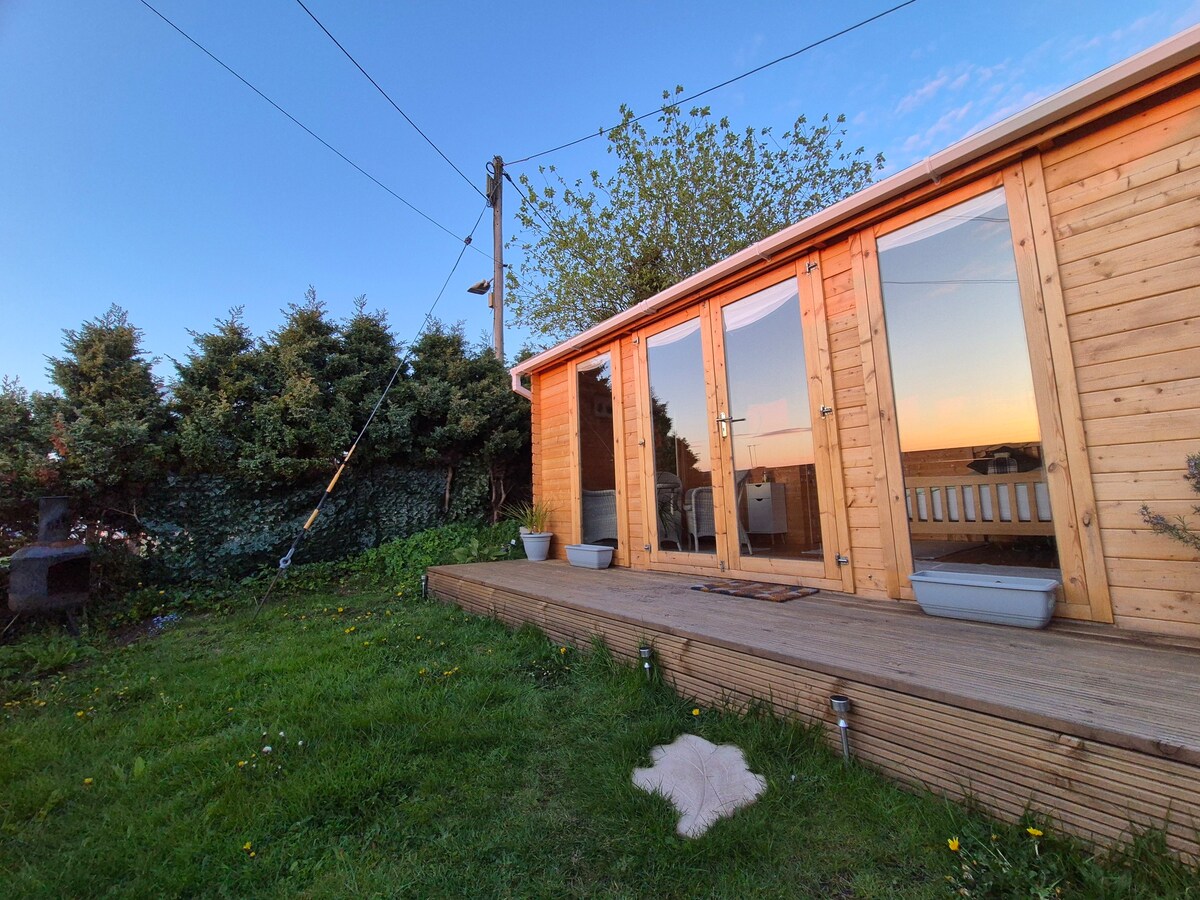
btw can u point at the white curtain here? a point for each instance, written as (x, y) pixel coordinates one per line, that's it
(945, 220)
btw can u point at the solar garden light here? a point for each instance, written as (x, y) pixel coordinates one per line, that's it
(424, 586)
(841, 708)
(646, 653)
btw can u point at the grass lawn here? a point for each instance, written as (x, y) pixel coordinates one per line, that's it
(417, 751)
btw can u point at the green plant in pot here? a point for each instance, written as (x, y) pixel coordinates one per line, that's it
(533, 519)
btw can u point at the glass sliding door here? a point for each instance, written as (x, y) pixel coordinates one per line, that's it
(970, 440)
(597, 451)
(767, 426)
(684, 517)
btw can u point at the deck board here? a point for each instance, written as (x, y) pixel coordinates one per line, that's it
(1099, 731)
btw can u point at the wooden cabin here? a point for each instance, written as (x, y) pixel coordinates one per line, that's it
(989, 359)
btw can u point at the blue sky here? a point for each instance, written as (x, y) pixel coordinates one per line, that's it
(134, 170)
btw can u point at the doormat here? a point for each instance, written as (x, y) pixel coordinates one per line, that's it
(755, 590)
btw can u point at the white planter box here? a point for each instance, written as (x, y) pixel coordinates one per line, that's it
(589, 556)
(1003, 599)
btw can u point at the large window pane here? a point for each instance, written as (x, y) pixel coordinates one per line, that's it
(682, 459)
(969, 434)
(774, 467)
(597, 452)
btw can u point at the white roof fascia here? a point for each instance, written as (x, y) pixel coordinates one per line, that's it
(1153, 61)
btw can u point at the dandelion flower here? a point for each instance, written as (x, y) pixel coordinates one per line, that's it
(696, 712)
(241, 764)
(88, 781)
(340, 609)
(1034, 832)
(253, 854)
(79, 713)
(247, 845)
(562, 650)
(953, 844)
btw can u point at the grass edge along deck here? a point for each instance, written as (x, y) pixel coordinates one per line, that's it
(1096, 779)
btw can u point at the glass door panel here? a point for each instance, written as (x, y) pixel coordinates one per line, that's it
(597, 452)
(767, 426)
(684, 517)
(970, 441)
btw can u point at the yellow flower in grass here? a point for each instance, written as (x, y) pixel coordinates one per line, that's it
(696, 712)
(562, 650)
(1034, 832)
(88, 782)
(953, 844)
(247, 845)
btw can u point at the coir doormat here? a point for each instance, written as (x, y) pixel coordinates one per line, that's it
(755, 590)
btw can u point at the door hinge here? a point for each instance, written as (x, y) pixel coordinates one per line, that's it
(842, 560)
(808, 267)
(826, 410)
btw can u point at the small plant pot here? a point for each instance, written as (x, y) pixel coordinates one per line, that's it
(589, 556)
(537, 545)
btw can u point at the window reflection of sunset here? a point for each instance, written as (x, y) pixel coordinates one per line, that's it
(956, 336)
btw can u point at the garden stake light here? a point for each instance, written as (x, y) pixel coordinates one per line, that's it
(841, 708)
(424, 586)
(645, 653)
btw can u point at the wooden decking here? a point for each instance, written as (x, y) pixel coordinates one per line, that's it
(1097, 731)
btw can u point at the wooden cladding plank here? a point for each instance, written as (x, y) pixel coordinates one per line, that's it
(1174, 187)
(1180, 244)
(1179, 394)
(1182, 607)
(1160, 128)
(1142, 486)
(1155, 368)
(1159, 574)
(1172, 425)
(1136, 227)
(1142, 543)
(1126, 176)
(1139, 342)
(1157, 277)
(1150, 455)
(1179, 306)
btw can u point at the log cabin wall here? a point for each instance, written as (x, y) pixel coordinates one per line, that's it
(854, 434)
(551, 435)
(1124, 201)
(1112, 206)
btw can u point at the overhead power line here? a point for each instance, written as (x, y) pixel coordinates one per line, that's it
(387, 97)
(308, 130)
(603, 131)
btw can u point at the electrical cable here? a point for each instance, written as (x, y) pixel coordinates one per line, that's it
(286, 560)
(603, 131)
(308, 130)
(428, 140)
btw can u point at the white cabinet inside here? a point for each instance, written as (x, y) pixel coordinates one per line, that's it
(766, 508)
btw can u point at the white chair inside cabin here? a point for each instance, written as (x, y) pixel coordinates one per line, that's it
(698, 504)
(599, 516)
(669, 498)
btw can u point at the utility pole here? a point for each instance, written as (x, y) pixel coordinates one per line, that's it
(496, 201)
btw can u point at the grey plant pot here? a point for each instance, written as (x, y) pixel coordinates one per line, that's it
(537, 545)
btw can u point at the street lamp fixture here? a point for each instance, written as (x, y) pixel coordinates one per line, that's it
(480, 287)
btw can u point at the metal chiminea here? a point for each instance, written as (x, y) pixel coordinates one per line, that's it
(54, 573)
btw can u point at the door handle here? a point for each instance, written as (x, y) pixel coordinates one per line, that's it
(724, 421)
